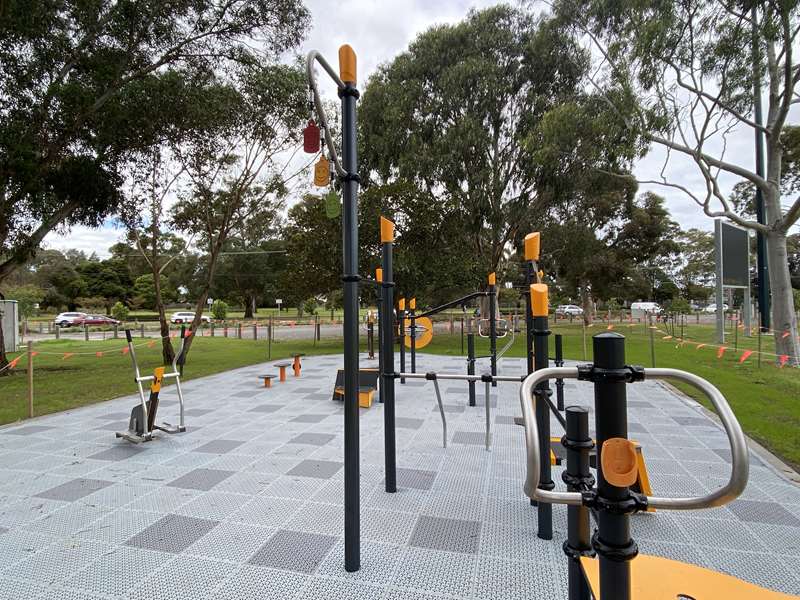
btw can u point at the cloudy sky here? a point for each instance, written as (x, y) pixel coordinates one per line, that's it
(378, 30)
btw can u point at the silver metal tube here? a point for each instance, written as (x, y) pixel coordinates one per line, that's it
(312, 80)
(460, 377)
(139, 379)
(441, 412)
(176, 373)
(740, 465)
(488, 418)
(527, 401)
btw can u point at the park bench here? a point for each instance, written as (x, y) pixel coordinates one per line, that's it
(367, 384)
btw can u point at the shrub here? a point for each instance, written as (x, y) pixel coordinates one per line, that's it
(219, 309)
(119, 311)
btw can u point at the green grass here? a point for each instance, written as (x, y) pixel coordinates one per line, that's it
(766, 399)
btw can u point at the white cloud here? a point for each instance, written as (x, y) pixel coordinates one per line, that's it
(86, 239)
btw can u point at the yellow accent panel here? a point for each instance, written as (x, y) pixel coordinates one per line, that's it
(643, 477)
(492, 279)
(158, 373)
(532, 241)
(379, 275)
(365, 398)
(322, 172)
(347, 64)
(424, 337)
(539, 304)
(412, 304)
(656, 578)
(387, 231)
(401, 304)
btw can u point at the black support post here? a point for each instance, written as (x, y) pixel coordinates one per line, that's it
(493, 324)
(385, 333)
(612, 541)
(559, 363)
(542, 361)
(529, 279)
(412, 306)
(578, 478)
(401, 317)
(471, 365)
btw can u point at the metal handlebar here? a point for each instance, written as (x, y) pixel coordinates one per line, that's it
(311, 58)
(739, 454)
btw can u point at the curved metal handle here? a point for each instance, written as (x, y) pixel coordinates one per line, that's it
(740, 465)
(739, 454)
(313, 56)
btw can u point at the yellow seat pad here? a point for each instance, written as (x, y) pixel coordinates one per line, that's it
(656, 578)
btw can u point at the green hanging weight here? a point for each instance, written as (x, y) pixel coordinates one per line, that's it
(333, 206)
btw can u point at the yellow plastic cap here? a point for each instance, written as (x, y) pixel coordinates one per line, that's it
(618, 461)
(387, 231)
(492, 279)
(532, 246)
(347, 64)
(158, 378)
(379, 275)
(401, 304)
(412, 304)
(539, 306)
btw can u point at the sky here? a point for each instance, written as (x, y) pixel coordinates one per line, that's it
(378, 30)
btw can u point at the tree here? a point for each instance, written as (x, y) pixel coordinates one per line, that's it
(451, 117)
(681, 75)
(144, 292)
(57, 275)
(696, 275)
(108, 279)
(28, 298)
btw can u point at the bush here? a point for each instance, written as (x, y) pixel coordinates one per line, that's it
(120, 312)
(310, 306)
(28, 298)
(219, 309)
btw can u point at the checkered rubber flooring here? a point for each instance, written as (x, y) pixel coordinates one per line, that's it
(247, 504)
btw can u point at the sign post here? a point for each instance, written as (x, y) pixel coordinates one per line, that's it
(732, 257)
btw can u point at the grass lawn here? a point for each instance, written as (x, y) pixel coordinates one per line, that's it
(766, 399)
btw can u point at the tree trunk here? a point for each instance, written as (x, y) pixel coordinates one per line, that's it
(167, 351)
(784, 318)
(586, 304)
(249, 302)
(3, 358)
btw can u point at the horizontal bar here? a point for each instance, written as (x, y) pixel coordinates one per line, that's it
(461, 377)
(442, 307)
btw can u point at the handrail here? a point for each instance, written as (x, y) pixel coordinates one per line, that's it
(739, 454)
(313, 56)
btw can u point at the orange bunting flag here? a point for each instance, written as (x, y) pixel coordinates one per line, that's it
(785, 335)
(125, 350)
(98, 354)
(187, 334)
(151, 343)
(667, 337)
(610, 327)
(34, 353)
(14, 362)
(590, 325)
(745, 355)
(67, 355)
(784, 358)
(700, 346)
(721, 351)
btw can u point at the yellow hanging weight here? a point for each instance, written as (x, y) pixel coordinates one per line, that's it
(322, 172)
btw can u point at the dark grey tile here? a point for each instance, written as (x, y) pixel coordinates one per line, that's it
(247, 393)
(173, 533)
(458, 390)
(755, 511)
(294, 551)
(449, 408)
(267, 408)
(312, 439)
(112, 426)
(693, 421)
(406, 423)
(317, 396)
(116, 416)
(219, 446)
(321, 469)
(636, 428)
(29, 430)
(306, 390)
(200, 479)
(417, 479)
(504, 420)
(480, 399)
(476, 438)
(414, 383)
(451, 535)
(725, 454)
(118, 452)
(197, 412)
(639, 404)
(309, 418)
(73, 490)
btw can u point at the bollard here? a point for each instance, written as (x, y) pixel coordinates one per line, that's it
(319, 330)
(471, 365)
(141, 327)
(58, 332)
(541, 332)
(371, 340)
(255, 331)
(578, 478)
(559, 363)
(224, 330)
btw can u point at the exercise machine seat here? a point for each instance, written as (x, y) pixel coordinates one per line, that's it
(656, 578)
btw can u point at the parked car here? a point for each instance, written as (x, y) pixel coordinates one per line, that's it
(95, 320)
(187, 317)
(712, 308)
(68, 319)
(651, 308)
(569, 310)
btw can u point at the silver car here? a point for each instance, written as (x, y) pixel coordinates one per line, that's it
(68, 319)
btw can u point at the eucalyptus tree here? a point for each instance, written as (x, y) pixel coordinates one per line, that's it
(682, 76)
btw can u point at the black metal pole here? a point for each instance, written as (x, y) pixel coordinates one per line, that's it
(559, 363)
(387, 354)
(379, 279)
(578, 478)
(181, 358)
(471, 365)
(401, 316)
(412, 306)
(612, 541)
(529, 279)
(541, 332)
(371, 339)
(350, 278)
(493, 324)
(762, 266)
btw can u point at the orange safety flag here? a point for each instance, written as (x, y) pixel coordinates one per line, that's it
(187, 334)
(151, 343)
(785, 335)
(721, 351)
(125, 350)
(783, 359)
(14, 362)
(67, 355)
(700, 346)
(34, 353)
(98, 354)
(745, 355)
(610, 327)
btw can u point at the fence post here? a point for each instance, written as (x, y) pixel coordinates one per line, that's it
(86, 332)
(255, 331)
(58, 332)
(652, 348)
(116, 331)
(141, 327)
(30, 379)
(239, 331)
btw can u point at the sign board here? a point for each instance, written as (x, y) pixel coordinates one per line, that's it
(278, 301)
(735, 256)
(210, 301)
(9, 317)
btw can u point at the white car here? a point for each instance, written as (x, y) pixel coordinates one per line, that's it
(569, 310)
(651, 308)
(68, 319)
(712, 308)
(187, 317)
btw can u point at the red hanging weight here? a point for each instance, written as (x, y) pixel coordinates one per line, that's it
(311, 138)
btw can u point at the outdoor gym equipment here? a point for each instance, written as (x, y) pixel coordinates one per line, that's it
(618, 574)
(143, 416)
(347, 172)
